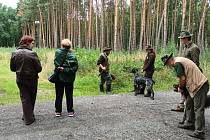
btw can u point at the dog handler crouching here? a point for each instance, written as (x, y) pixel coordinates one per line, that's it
(189, 75)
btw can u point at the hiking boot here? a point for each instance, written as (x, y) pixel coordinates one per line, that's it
(200, 136)
(188, 127)
(71, 114)
(29, 123)
(152, 97)
(146, 95)
(57, 114)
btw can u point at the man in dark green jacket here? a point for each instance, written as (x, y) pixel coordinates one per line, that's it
(103, 64)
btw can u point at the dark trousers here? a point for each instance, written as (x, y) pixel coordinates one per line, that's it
(28, 92)
(105, 78)
(59, 89)
(149, 74)
(195, 109)
(149, 83)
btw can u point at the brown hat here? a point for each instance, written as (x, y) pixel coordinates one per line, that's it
(148, 47)
(107, 49)
(66, 42)
(166, 57)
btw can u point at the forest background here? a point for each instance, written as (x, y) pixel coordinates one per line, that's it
(124, 25)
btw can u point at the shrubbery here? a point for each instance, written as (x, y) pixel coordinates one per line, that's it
(87, 81)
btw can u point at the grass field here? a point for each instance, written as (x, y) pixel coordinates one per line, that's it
(87, 79)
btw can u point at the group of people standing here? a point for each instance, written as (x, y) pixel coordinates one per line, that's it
(193, 85)
(25, 62)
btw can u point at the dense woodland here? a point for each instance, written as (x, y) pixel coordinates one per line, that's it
(120, 24)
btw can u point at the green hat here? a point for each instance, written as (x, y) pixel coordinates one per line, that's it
(107, 49)
(185, 34)
(166, 57)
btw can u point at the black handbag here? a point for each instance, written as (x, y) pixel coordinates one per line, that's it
(53, 78)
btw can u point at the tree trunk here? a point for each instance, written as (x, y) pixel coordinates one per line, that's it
(184, 3)
(116, 26)
(132, 40)
(200, 38)
(90, 24)
(123, 25)
(165, 24)
(142, 31)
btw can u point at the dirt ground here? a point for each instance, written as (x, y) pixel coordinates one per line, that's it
(111, 117)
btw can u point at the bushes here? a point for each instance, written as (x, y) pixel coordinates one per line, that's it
(87, 80)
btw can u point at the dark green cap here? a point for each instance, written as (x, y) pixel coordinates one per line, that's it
(185, 34)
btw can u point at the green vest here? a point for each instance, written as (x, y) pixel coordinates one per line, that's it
(194, 77)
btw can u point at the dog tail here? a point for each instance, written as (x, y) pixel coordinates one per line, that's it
(207, 105)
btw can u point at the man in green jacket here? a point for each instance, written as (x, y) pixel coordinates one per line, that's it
(192, 52)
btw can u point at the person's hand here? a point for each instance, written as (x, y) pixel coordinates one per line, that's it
(180, 90)
(60, 68)
(176, 86)
(103, 68)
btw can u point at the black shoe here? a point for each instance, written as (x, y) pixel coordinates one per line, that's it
(29, 123)
(178, 109)
(152, 96)
(188, 127)
(200, 136)
(146, 95)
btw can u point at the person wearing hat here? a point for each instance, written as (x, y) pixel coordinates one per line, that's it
(66, 63)
(25, 62)
(192, 52)
(149, 69)
(191, 78)
(103, 64)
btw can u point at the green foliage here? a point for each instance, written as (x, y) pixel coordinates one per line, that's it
(87, 80)
(9, 27)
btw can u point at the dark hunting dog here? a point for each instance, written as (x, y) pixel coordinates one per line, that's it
(140, 83)
(185, 93)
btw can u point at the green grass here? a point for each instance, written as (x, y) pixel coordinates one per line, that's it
(87, 80)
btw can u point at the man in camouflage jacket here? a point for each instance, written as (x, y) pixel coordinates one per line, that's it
(103, 64)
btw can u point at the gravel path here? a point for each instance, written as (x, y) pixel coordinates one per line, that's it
(118, 117)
